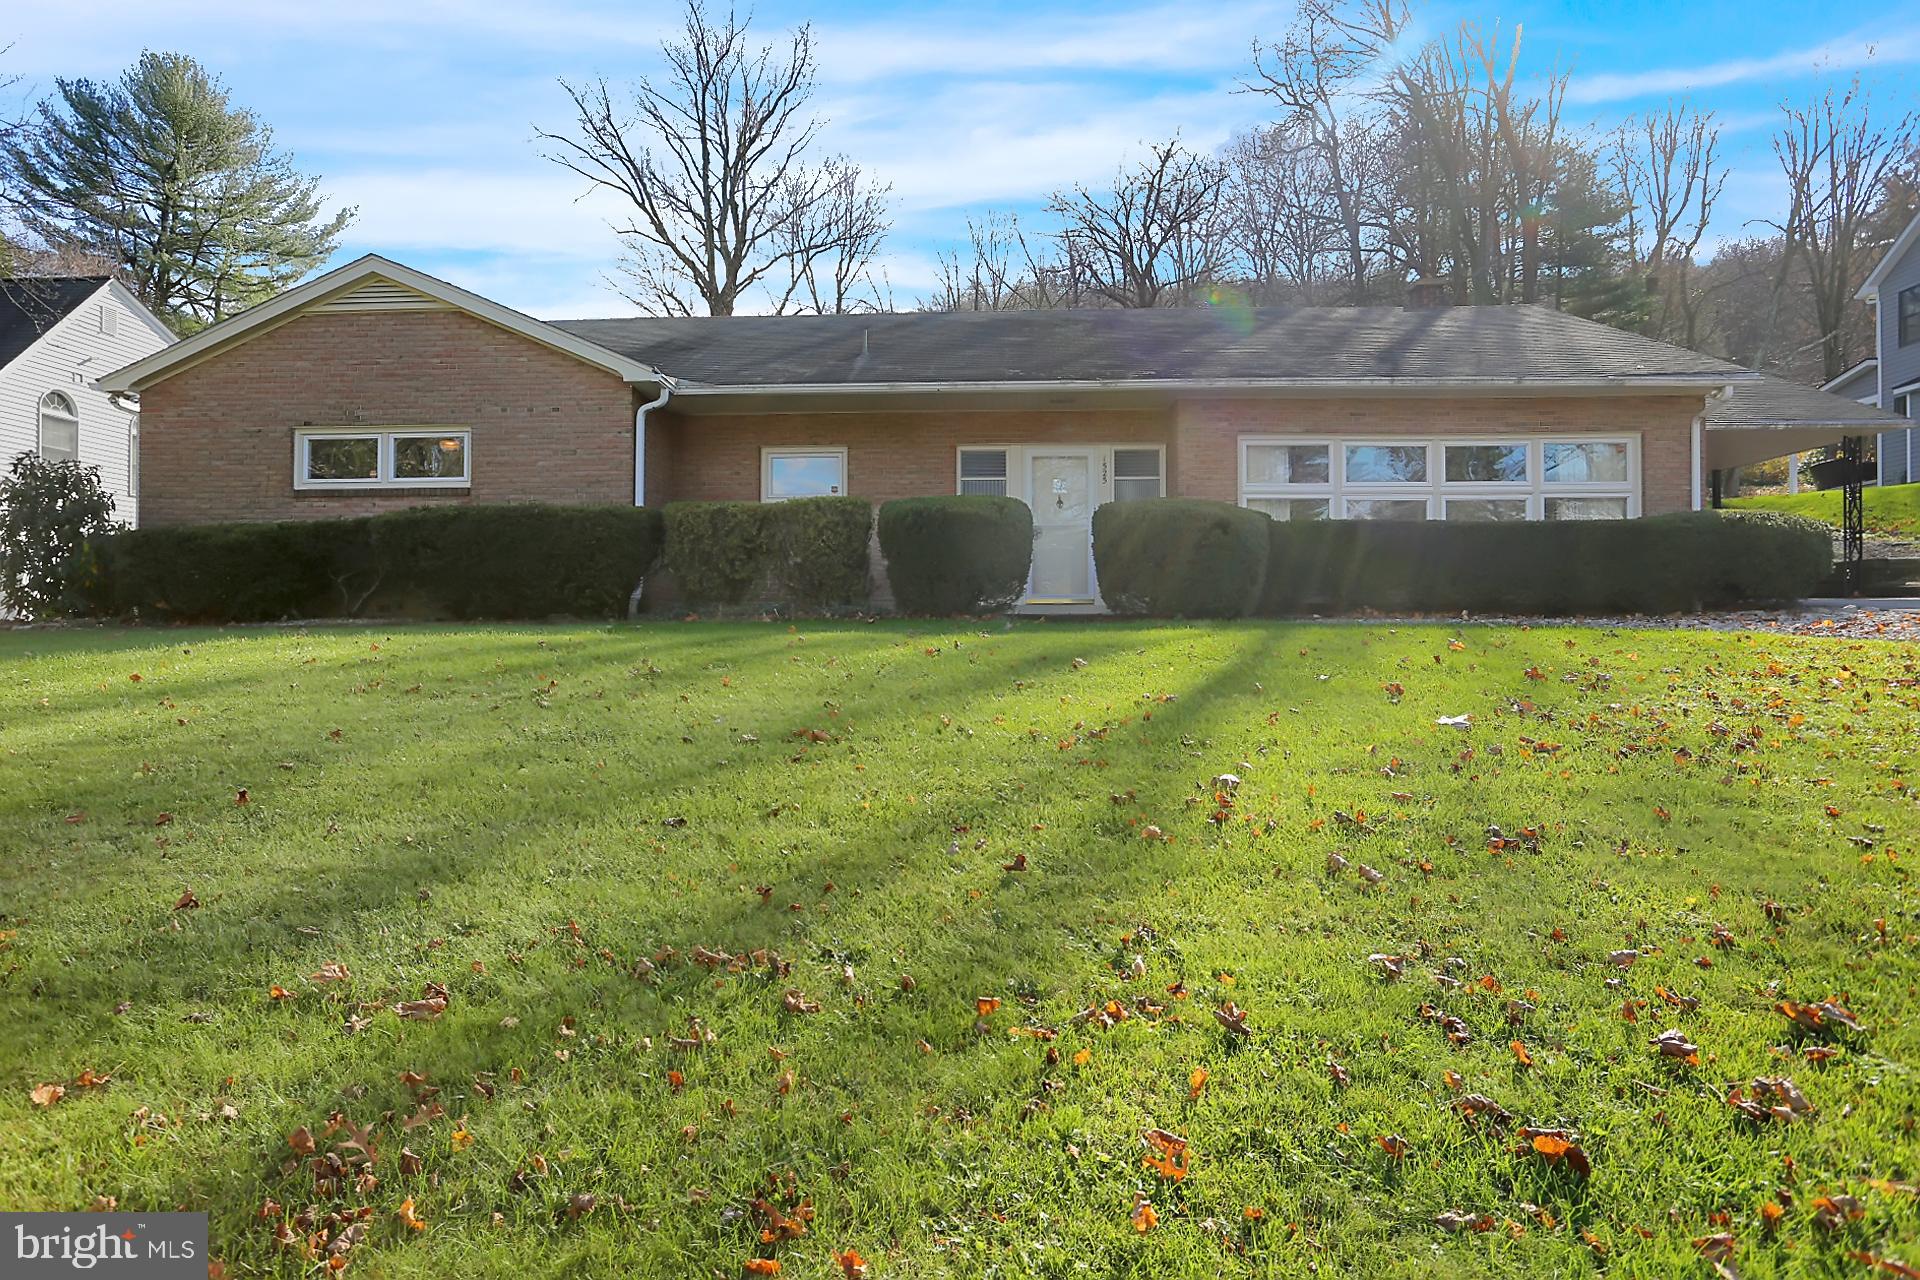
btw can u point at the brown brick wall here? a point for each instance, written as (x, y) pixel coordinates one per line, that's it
(716, 457)
(216, 440)
(1206, 432)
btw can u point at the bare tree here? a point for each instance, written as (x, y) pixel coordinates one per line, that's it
(1667, 166)
(838, 277)
(1154, 235)
(1839, 165)
(1284, 219)
(715, 160)
(1317, 73)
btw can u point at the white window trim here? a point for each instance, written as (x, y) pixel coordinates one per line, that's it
(1112, 467)
(769, 452)
(1011, 452)
(384, 477)
(1017, 455)
(1436, 490)
(47, 411)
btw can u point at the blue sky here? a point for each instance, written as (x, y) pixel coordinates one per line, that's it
(421, 112)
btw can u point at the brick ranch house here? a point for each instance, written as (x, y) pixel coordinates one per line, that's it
(375, 386)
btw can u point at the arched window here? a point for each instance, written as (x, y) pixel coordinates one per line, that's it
(59, 428)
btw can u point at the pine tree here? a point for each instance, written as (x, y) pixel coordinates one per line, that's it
(159, 173)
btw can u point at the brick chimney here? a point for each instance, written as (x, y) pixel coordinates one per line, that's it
(1428, 291)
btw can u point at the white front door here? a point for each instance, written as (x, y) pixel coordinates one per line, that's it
(1062, 488)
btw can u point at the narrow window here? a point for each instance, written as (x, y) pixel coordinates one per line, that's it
(983, 471)
(1136, 474)
(59, 428)
(1910, 315)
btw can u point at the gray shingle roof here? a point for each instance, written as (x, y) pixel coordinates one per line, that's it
(1295, 344)
(1767, 401)
(31, 305)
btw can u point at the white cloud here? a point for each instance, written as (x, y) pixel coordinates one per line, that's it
(1160, 38)
(1845, 53)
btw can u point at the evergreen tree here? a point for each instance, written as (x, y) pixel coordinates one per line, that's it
(161, 174)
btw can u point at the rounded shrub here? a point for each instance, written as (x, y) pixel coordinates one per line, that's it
(1180, 557)
(717, 551)
(965, 553)
(819, 552)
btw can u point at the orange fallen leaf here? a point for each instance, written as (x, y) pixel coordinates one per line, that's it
(1520, 1053)
(852, 1265)
(762, 1267)
(1197, 1082)
(47, 1094)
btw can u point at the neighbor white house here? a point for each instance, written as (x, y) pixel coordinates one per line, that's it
(58, 336)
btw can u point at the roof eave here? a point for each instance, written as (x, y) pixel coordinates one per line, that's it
(1870, 287)
(1625, 384)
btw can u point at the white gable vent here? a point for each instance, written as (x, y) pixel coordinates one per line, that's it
(381, 295)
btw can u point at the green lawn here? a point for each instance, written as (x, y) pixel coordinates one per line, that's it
(673, 880)
(1892, 511)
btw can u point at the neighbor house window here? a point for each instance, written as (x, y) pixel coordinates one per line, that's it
(59, 428)
(1493, 479)
(394, 458)
(984, 471)
(1137, 474)
(1909, 307)
(802, 473)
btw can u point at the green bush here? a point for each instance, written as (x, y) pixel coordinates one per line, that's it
(229, 572)
(523, 560)
(819, 552)
(1180, 557)
(1660, 564)
(717, 551)
(967, 553)
(510, 561)
(52, 516)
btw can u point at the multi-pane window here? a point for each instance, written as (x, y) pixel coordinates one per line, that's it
(59, 428)
(406, 458)
(1494, 479)
(802, 473)
(1133, 471)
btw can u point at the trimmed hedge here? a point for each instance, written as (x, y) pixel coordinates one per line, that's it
(243, 572)
(1660, 564)
(511, 561)
(717, 551)
(810, 553)
(967, 553)
(508, 561)
(1180, 557)
(819, 548)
